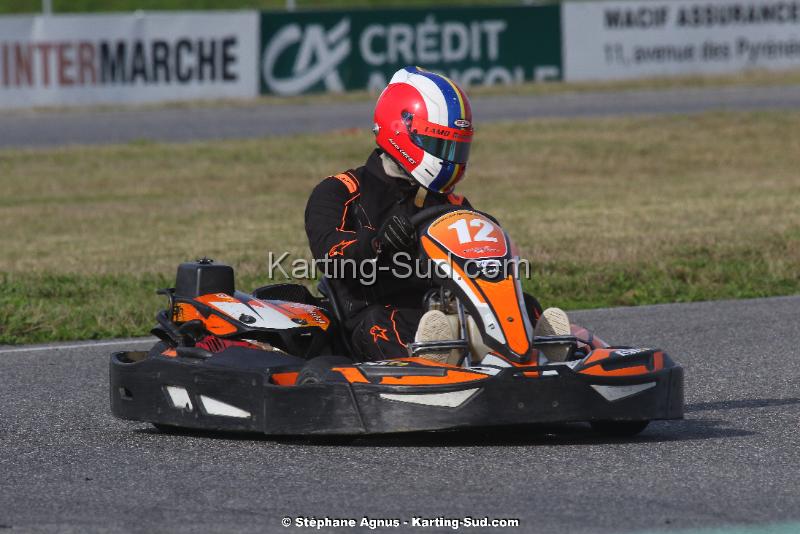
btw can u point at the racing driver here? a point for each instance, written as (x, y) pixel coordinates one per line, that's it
(423, 129)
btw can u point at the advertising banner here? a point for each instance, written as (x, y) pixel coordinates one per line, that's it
(105, 59)
(338, 51)
(629, 39)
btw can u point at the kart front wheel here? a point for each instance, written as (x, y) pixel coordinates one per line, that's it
(619, 428)
(318, 369)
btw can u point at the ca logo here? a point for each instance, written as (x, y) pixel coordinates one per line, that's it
(318, 57)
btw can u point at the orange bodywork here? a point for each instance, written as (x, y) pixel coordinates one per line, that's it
(451, 377)
(219, 326)
(183, 312)
(209, 299)
(599, 355)
(502, 295)
(303, 313)
(352, 375)
(435, 253)
(284, 379)
(486, 239)
(506, 305)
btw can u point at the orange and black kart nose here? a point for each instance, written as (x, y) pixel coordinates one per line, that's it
(197, 394)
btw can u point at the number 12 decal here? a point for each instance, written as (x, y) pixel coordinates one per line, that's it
(468, 235)
(464, 235)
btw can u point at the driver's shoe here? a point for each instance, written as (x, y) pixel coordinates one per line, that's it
(553, 322)
(434, 326)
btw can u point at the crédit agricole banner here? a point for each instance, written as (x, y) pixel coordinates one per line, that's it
(339, 51)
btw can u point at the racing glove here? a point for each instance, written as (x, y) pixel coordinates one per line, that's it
(395, 235)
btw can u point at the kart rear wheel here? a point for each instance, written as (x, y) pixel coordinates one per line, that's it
(318, 369)
(619, 428)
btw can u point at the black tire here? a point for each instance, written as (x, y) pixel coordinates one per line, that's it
(317, 369)
(620, 429)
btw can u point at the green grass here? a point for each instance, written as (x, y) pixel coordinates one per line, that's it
(610, 211)
(48, 307)
(43, 307)
(693, 274)
(77, 6)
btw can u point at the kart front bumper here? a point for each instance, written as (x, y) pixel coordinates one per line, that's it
(193, 394)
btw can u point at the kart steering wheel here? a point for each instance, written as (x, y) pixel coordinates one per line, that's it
(435, 211)
(429, 213)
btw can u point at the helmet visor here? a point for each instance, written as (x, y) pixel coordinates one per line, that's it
(446, 149)
(448, 144)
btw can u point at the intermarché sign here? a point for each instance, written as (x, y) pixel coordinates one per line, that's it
(329, 51)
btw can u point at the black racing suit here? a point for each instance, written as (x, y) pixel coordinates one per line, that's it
(342, 218)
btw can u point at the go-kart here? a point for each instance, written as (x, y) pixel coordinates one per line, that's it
(278, 361)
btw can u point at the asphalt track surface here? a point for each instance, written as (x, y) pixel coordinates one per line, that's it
(55, 128)
(67, 466)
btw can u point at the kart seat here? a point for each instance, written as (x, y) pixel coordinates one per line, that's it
(328, 292)
(287, 291)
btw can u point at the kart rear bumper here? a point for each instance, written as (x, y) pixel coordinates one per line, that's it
(194, 394)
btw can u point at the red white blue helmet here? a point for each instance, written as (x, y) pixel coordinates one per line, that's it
(423, 121)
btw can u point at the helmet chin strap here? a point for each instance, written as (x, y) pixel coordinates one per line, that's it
(419, 200)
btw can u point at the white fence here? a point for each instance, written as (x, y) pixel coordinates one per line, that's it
(66, 60)
(104, 59)
(631, 39)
